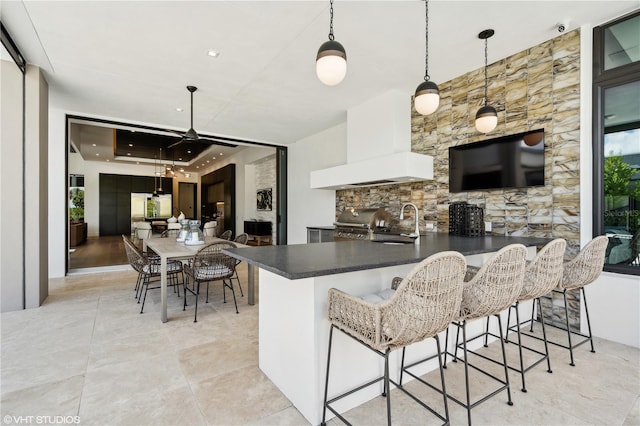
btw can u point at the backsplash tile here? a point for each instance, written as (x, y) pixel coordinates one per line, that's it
(532, 89)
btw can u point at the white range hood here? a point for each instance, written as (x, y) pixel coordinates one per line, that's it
(378, 147)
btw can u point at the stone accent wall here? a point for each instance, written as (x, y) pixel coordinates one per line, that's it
(266, 178)
(532, 89)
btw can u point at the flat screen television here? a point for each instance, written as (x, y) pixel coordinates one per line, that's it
(514, 161)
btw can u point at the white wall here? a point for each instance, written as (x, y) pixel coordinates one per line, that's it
(57, 193)
(11, 211)
(242, 159)
(313, 207)
(36, 187)
(262, 175)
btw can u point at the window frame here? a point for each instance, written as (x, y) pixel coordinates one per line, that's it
(603, 80)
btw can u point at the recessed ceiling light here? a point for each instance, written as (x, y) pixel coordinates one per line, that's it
(221, 154)
(93, 144)
(181, 169)
(179, 109)
(187, 175)
(214, 158)
(129, 154)
(202, 164)
(130, 144)
(180, 159)
(188, 152)
(207, 161)
(197, 167)
(107, 160)
(213, 53)
(97, 154)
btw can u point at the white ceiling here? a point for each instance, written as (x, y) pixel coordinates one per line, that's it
(130, 61)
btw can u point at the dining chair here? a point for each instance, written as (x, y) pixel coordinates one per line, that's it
(210, 264)
(226, 235)
(583, 269)
(487, 291)
(423, 305)
(173, 232)
(143, 231)
(240, 239)
(209, 229)
(541, 276)
(149, 267)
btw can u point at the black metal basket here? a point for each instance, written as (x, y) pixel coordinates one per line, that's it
(466, 219)
(474, 221)
(457, 218)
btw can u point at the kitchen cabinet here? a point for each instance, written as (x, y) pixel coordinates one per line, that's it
(319, 234)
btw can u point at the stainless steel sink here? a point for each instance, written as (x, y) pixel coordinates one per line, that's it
(390, 237)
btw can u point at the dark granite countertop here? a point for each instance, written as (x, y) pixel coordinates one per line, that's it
(313, 260)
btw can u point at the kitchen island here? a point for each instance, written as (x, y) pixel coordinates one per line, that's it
(293, 325)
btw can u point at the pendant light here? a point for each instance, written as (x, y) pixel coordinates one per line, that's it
(427, 97)
(331, 60)
(155, 177)
(159, 190)
(486, 117)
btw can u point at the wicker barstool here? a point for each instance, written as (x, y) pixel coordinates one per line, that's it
(423, 305)
(582, 270)
(487, 291)
(541, 276)
(226, 235)
(210, 264)
(149, 267)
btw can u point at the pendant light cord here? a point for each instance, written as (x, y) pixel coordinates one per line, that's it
(426, 41)
(331, 20)
(486, 80)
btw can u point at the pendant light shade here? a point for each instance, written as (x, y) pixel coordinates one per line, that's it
(487, 116)
(427, 97)
(486, 119)
(331, 63)
(331, 60)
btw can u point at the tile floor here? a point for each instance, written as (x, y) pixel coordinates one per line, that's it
(88, 352)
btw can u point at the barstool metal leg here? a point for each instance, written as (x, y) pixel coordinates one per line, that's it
(586, 311)
(566, 319)
(466, 368)
(516, 307)
(544, 335)
(504, 360)
(326, 382)
(387, 390)
(444, 388)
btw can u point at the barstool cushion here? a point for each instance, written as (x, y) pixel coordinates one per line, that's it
(379, 297)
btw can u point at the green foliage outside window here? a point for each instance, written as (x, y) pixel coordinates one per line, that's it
(76, 211)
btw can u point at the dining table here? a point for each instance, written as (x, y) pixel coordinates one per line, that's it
(170, 249)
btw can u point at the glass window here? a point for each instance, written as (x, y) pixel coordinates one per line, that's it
(622, 43)
(616, 142)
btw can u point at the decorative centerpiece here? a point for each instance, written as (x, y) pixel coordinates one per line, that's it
(184, 231)
(195, 237)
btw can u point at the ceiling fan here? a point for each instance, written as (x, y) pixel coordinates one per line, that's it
(191, 136)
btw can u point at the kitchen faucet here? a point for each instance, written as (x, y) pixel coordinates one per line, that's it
(416, 233)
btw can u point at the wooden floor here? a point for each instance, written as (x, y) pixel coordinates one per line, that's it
(98, 251)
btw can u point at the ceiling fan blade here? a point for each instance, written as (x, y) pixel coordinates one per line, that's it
(175, 132)
(217, 142)
(176, 143)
